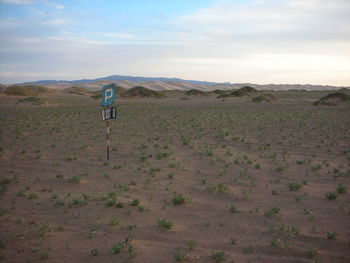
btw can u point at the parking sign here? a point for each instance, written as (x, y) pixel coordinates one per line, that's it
(108, 95)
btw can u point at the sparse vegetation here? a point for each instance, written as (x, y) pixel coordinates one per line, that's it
(208, 169)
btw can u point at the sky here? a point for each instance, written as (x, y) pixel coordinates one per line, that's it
(237, 41)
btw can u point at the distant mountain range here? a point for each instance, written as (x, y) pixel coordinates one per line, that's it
(169, 84)
(116, 78)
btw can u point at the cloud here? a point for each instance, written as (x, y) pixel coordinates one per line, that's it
(289, 19)
(116, 35)
(54, 5)
(57, 22)
(19, 2)
(266, 41)
(59, 6)
(261, 41)
(10, 22)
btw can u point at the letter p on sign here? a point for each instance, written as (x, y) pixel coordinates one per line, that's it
(108, 95)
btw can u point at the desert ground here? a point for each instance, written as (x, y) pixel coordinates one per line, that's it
(190, 179)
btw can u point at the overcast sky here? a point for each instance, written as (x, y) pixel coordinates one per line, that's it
(256, 41)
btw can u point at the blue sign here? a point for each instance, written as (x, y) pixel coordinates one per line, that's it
(108, 95)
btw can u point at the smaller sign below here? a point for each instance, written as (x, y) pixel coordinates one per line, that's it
(109, 113)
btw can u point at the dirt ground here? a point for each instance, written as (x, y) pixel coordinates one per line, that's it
(193, 180)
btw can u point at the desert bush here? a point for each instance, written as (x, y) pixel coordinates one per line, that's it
(294, 186)
(164, 223)
(180, 255)
(140, 91)
(218, 256)
(342, 188)
(35, 101)
(178, 199)
(195, 92)
(238, 93)
(273, 212)
(77, 90)
(248, 89)
(224, 95)
(264, 98)
(331, 195)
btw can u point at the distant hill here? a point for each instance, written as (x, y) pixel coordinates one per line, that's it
(26, 90)
(115, 78)
(159, 84)
(333, 99)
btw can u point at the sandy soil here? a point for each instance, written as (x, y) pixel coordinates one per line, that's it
(244, 179)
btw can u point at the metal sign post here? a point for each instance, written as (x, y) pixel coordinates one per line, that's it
(107, 141)
(108, 97)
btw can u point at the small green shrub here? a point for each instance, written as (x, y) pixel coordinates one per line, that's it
(164, 223)
(248, 250)
(312, 252)
(94, 252)
(78, 202)
(21, 192)
(59, 203)
(218, 256)
(331, 195)
(297, 198)
(2, 243)
(294, 186)
(331, 235)
(70, 158)
(135, 202)
(59, 176)
(113, 221)
(272, 212)
(292, 231)
(264, 98)
(342, 188)
(118, 247)
(33, 196)
(178, 199)
(233, 241)
(180, 255)
(280, 169)
(234, 209)
(192, 244)
(74, 179)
